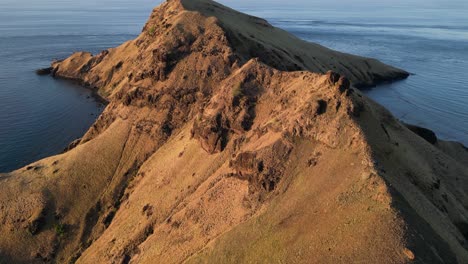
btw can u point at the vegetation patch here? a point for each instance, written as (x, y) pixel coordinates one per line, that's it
(152, 30)
(60, 229)
(237, 90)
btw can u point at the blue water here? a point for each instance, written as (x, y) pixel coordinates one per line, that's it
(39, 116)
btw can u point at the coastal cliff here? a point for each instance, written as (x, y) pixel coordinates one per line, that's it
(227, 140)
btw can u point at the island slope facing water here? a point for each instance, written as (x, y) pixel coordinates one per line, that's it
(40, 116)
(219, 145)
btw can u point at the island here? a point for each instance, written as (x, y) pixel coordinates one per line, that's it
(227, 140)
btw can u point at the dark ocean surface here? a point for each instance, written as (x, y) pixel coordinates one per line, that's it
(40, 116)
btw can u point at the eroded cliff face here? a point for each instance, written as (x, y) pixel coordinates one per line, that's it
(223, 142)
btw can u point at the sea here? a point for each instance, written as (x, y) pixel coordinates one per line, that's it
(40, 116)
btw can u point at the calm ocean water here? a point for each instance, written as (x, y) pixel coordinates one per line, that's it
(39, 116)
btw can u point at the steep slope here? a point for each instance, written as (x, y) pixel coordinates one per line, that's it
(216, 148)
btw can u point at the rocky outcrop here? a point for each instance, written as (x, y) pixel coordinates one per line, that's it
(263, 169)
(425, 133)
(44, 71)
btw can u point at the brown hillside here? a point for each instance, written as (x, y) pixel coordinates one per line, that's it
(224, 142)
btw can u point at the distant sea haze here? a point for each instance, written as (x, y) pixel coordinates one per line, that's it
(40, 116)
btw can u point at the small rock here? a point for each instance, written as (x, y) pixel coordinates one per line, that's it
(409, 254)
(333, 77)
(312, 162)
(343, 84)
(425, 133)
(44, 71)
(366, 176)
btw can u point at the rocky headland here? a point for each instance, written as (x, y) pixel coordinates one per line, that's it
(226, 140)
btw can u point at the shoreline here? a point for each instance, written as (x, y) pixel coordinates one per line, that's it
(94, 90)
